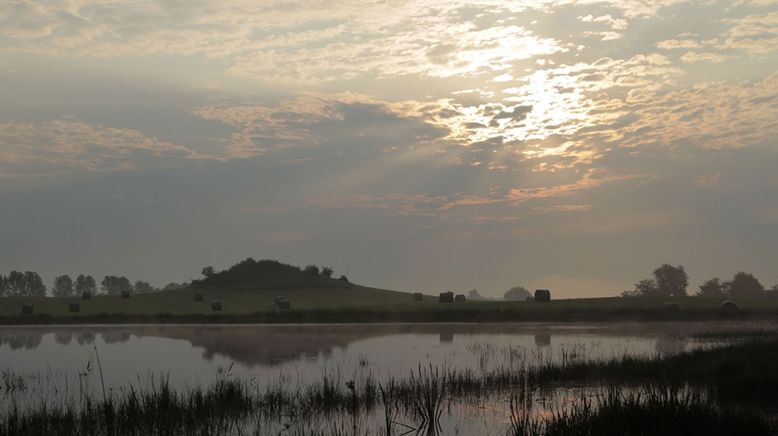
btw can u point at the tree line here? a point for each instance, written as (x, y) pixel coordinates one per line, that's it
(30, 284)
(673, 281)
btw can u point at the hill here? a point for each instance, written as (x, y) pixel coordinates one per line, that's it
(250, 274)
(247, 287)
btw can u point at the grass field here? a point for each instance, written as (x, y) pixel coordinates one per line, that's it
(351, 303)
(247, 292)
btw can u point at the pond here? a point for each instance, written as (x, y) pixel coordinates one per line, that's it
(61, 362)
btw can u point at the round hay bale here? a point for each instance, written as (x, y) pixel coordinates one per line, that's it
(729, 308)
(446, 297)
(74, 307)
(542, 295)
(460, 298)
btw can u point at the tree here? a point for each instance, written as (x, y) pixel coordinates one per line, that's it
(474, 295)
(327, 271)
(33, 285)
(63, 286)
(143, 287)
(312, 269)
(712, 288)
(14, 284)
(517, 293)
(2, 286)
(113, 285)
(173, 286)
(671, 280)
(646, 288)
(208, 271)
(745, 285)
(85, 284)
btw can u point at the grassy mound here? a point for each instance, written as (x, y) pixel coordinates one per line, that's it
(268, 274)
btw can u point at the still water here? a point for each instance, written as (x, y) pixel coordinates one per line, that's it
(197, 353)
(64, 361)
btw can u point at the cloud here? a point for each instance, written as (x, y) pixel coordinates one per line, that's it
(348, 121)
(566, 208)
(692, 57)
(67, 146)
(672, 44)
(308, 42)
(515, 114)
(478, 208)
(592, 179)
(708, 180)
(301, 43)
(754, 34)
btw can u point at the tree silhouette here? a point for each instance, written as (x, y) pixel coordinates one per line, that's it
(646, 288)
(14, 284)
(33, 285)
(474, 295)
(63, 286)
(208, 271)
(671, 280)
(712, 288)
(517, 293)
(113, 285)
(2, 286)
(327, 271)
(173, 286)
(745, 285)
(85, 283)
(142, 287)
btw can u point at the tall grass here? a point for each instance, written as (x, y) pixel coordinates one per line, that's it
(427, 388)
(653, 410)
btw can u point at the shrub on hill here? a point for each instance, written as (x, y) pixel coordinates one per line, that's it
(271, 273)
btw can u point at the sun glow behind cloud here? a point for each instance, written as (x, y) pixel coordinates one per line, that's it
(479, 114)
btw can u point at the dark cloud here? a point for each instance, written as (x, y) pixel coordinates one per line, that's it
(518, 113)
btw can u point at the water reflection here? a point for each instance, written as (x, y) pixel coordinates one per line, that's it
(272, 345)
(667, 345)
(542, 339)
(85, 338)
(63, 337)
(21, 339)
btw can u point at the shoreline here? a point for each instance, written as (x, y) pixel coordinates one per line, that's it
(373, 316)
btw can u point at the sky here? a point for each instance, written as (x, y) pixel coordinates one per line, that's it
(428, 145)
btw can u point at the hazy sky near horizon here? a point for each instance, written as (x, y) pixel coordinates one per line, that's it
(568, 144)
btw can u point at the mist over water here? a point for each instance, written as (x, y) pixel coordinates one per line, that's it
(188, 355)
